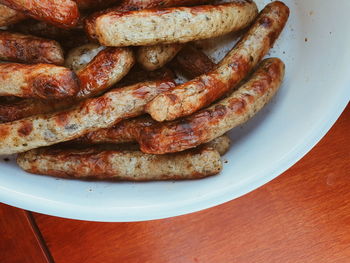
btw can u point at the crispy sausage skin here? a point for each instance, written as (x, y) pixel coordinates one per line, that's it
(192, 62)
(62, 13)
(155, 57)
(147, 4)
(122, 164)
(210, 123)
(93, 114)
(108, 67)
(29, 49)
(171, 25)
(191, 96)
(43, 81)
(9, 16)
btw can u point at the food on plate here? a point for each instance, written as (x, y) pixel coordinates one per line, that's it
(62, 13)
(192, 62)
(210, 123)
(43, 81)
(103, 117)
(122, 164)
(171, 25)
(91, 115)
(108, 67)
(9, 16)
(155, 57)
(191, 96)
(29, 49)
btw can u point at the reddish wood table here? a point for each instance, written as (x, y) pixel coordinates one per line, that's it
(302, 216)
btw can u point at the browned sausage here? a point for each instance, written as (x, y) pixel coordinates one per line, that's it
(210, 123)
(122, 165)
(29, 49)
(9, 16)
(43, 81)
(192, 62)
(172, 25)
(104, 70)
(189, 97)
(93, 114)
(62, 13)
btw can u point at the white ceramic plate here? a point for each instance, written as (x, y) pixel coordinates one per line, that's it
(315, 47)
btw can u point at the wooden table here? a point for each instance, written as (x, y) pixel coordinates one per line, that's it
(302, 216)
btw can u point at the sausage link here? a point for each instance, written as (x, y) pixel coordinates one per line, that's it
(122, 165)
(192, 62)
(210, 123)
(93, 114)
(171, 25)
(29, 49)
(62, 13)
(9, 16)
(108, 67)
(189, 97)
(147, 4)
(43, 81)
(155, 57)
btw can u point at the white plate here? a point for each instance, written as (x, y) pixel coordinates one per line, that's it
(315, 47)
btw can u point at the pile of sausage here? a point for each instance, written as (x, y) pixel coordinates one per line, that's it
(87, 87)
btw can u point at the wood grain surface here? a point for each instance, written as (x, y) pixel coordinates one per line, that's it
(301, 216)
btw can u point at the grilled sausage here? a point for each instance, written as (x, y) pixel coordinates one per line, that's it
(122, 165)
(29, 49)
(43, 81)
(11, 111)
(210, 123)
(104, 70)
(62, 13)
(155, 57)
(221, 144)
(192, 62)
(93, 114)
(79, 57)
(171, 25)
(205, 89)
(9, 16)
(147, 4)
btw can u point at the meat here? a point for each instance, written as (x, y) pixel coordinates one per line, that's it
(212, 122)
(170, 25)
(9, 16)
(93, 114)
(122, 164)
(28, 49)
(192, 96)
(43, 81)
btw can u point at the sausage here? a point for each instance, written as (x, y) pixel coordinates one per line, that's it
(94, 4)
(123, 132)
(221, 144)
(11, 111)
(192, 62)
(191, 96)
(9, 16)
(171, 25)
(132, 5)
(210, 123)
(43, 81)
(122, 164)
(62, 13)
(79, 57)
(155, 57)
(92, 114)
(108, 67)
(29, 49)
